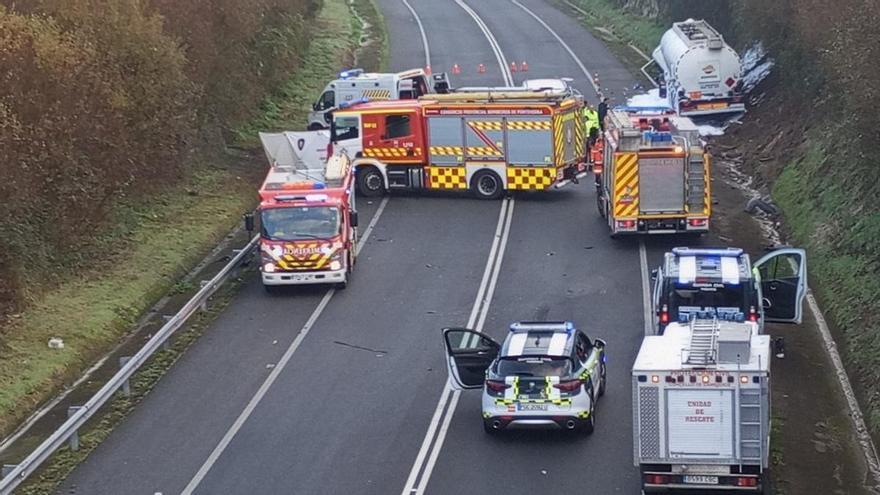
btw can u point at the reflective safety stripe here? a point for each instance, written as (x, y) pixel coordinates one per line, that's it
(687, 269)
(551, 391)
(729, 270)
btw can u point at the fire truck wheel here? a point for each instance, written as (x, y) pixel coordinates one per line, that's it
(369, 181)
(486, 185)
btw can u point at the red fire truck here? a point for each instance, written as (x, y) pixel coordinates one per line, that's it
(483, 141)
(308, 221)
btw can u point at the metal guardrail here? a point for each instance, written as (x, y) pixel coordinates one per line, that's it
(80, 414)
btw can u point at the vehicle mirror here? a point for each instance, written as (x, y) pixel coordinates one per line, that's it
(249, 222)
(316, 106)
(353, 217)
(600, 342)
(654, 273)
(766, 304)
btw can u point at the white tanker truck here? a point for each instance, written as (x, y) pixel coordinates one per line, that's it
(700, 73)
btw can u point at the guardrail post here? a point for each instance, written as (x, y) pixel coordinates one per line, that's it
(204, 305)
(7, 468)
(126, 387)
(236, 269)
(74, 438)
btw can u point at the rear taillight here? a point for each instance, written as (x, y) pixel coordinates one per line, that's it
(656, 479)
(753, 315)
(626, 224)
(495, 387)
(568, 386)
(664, 314)
(748, 482)
(698, 222)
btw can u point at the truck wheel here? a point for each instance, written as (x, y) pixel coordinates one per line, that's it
(370, 182)
(600, 205)
(314, 126)
(486, 185)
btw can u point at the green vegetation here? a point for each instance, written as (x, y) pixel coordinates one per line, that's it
(45, 481)
(613, 24)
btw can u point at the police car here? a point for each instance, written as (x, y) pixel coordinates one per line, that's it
(544, 374)
(722, 283)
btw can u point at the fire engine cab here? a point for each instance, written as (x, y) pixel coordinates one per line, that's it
(483, 141)
(308, 221)
(653, 174)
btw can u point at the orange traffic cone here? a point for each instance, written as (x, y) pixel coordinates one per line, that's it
(513, 67)
(481, 69)
(428, 70)
(524, 67)
(456, 69)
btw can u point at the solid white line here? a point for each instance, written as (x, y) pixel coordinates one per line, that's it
(862, 432)
(484, 311)
(422, 31)
(646, 292)
(416, 469)
(493, 42)
(561, 42)
(276, 371)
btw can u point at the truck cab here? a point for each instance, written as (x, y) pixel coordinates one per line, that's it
(724, 284)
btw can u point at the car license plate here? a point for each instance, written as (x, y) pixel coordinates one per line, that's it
(531, 407)
(701, 480)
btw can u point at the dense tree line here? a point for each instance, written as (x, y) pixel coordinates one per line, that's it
(105, 98)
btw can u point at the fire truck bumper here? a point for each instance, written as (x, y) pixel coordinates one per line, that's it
(305, 278)
(661, 226)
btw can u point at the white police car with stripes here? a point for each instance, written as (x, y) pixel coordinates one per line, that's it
(545, 374)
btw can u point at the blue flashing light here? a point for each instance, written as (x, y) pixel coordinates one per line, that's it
(319, 185)
(657, 136)
(685, 251)
(346, 104)
(350, 73)
(569, 326)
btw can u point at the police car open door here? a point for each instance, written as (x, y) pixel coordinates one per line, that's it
(468, 355)
(783, 277)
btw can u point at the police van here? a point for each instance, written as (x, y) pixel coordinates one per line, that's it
(724, 284)
(353, 86)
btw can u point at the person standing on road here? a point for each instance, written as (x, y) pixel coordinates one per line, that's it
(603, 111)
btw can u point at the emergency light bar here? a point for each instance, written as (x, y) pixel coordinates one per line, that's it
(686, 251)
(546, 326)
(350, 73)
(661, 110)
(316, 197)
(657, 137)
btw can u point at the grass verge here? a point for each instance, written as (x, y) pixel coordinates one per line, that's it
(841, 231)
(46, 480)
(162, 242)
(157, 244)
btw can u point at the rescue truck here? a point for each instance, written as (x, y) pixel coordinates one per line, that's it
(700, 73)
(355, 85)
(701, 408)
(483, 141)
(308, 220)
(724, 281)
(653, 174)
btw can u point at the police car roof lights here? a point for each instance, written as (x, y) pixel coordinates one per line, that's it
(542, 326)
(686, 251)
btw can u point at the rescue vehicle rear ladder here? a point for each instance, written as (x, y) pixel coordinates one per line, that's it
(704, 332)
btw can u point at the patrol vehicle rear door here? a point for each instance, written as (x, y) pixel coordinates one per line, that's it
(468, 355)
(783, 277)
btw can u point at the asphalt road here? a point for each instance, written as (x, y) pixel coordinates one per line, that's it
(351, 409)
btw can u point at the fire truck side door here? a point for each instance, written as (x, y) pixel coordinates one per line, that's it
(468, 355)
(782, 274)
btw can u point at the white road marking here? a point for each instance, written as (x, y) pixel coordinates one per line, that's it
(493, 42)
(431, 446)
(425, 45)
(276, 371)
(561, 42)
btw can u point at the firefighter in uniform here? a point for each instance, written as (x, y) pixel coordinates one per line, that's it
(591, 119)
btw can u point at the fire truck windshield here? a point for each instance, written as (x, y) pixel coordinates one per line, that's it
(300, 223)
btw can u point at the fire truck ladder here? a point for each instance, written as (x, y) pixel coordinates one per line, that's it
(703, 335)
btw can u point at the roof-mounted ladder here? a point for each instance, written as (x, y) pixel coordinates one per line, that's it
(704, 333)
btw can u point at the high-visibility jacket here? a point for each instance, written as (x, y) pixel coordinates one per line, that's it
(591, 118)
